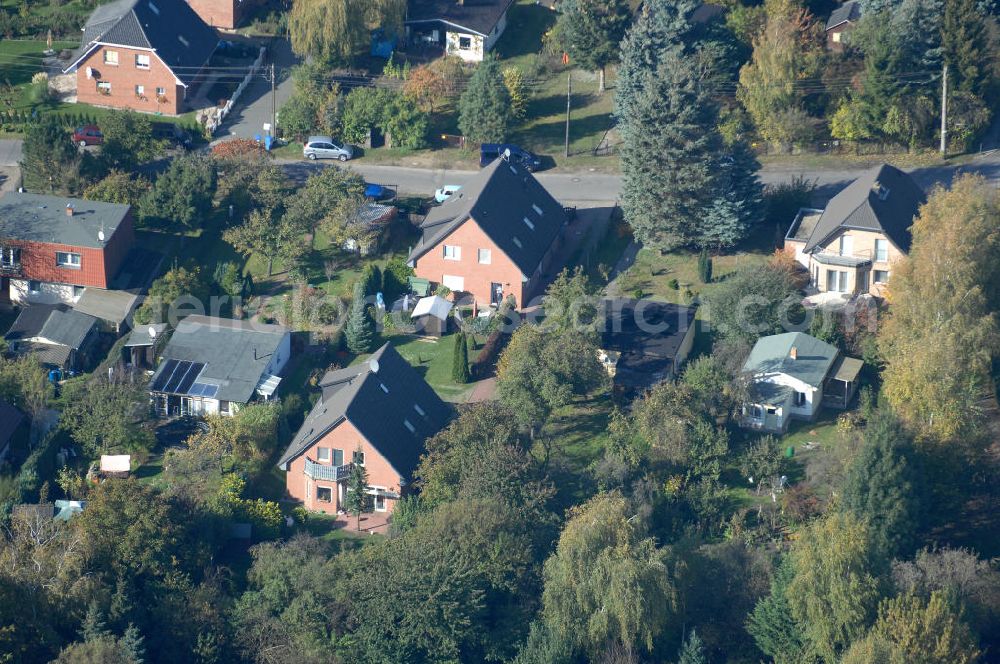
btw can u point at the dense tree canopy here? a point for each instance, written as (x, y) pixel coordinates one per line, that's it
(484, 109)
(942, 331)
(590, 31)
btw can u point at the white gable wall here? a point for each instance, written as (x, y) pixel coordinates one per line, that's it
(814, 395)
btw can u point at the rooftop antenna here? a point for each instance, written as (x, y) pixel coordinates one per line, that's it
(152, 331)
(506, 154)
(100, 234)
(373, 365)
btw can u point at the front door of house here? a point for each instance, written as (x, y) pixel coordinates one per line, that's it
(496, 294)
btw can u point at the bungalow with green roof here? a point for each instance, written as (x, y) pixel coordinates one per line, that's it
(792, 376)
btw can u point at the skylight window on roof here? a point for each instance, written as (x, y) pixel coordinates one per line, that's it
(154, 9)
(518, 242)
(513, 170)
(420, 411)
(527, 222)
(406, 423)
(881, 191)
(384, 388)
(537, 209)
(184, 41)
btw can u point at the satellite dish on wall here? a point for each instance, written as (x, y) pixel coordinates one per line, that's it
(152, 332)
(373, 365)
(90, 73)
(100, 235)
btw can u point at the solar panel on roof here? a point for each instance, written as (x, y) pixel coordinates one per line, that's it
(163, 376)
(203, 390)
(189, 377)
(182, 377)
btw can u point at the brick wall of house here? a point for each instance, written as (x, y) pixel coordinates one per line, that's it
(347, 438)
(226, 14)
(124, 77)
(97, 266)
(478, 277)
(860, 280)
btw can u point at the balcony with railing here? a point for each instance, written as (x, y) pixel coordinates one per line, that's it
(318, 471)
(852, 259)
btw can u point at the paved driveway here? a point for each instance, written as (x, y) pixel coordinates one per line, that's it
(253, 109)
(10, 151)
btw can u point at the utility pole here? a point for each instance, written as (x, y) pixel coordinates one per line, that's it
(944, 110)
(569, 92)
(274, 114)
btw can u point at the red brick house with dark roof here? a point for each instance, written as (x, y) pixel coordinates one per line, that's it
(378, 414)
(145, 55)
(495, 237)
(52, 247)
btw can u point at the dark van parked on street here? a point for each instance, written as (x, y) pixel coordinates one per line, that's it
(491, 151)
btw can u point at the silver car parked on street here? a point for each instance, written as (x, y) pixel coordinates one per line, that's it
(324, 147)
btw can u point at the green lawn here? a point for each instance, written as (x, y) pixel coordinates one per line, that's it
(652, 273)
(573, 438)
(544, 130)
(433, 361)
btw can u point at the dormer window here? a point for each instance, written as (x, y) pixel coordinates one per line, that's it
(529, 224)
(384, 388)
(154, 9)
(420, 411)
(537, 209)
(517, 242)
(409, 426)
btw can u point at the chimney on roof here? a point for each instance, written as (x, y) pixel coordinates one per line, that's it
(69, 209)
(794, 353)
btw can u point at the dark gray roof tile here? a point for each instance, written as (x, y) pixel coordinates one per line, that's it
(378, 404)
(42, 218)
(884, 199)
(499, 199)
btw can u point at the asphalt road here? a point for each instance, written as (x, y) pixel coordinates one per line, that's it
(605, 188)
(594, 187)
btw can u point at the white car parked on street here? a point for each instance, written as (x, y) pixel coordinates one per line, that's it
(445, 192)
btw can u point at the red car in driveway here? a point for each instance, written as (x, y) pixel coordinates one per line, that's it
(88, 135)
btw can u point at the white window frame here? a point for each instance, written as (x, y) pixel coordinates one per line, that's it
(322, 453)
(883, 256)
(37, 288)
(324, 488)
(161, 92)
(68, 260)
(139, 64)
(104, 85)
(373, 491)
(453, 283)
(110, 57)
(486, 254)
(875, 278)
(452, 252)
(140, 90)
(468, 46)
(354, 457)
